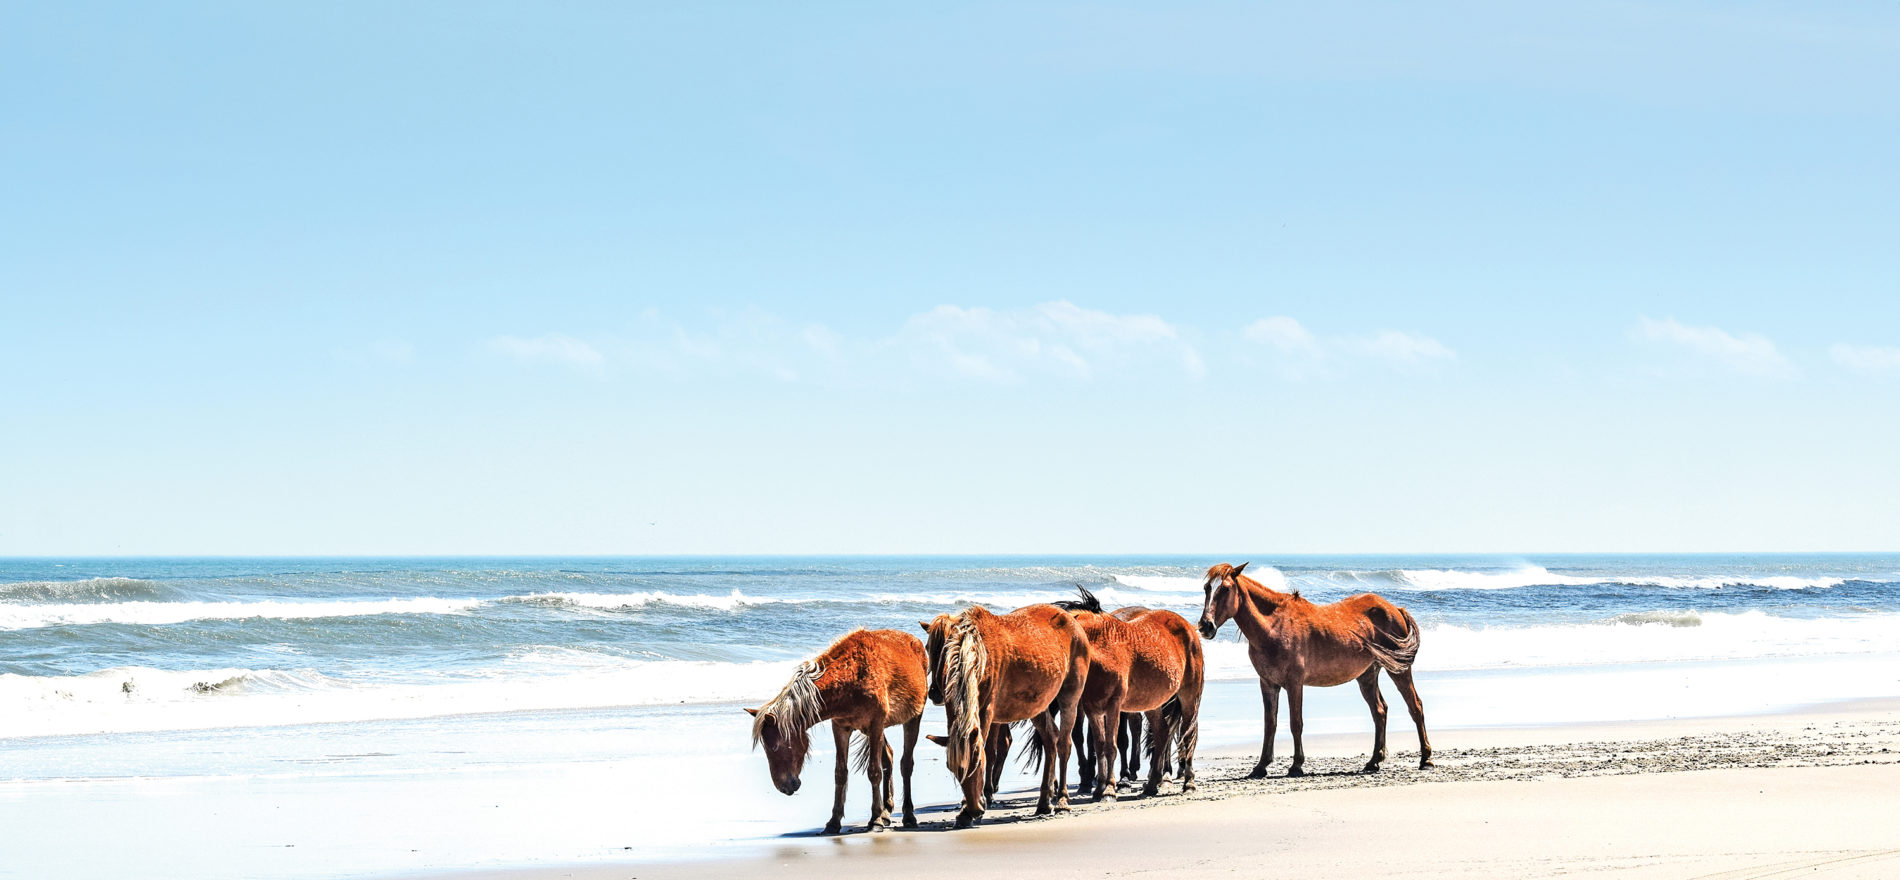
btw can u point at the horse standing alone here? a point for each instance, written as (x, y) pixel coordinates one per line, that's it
(1294, 643)
(866, 681)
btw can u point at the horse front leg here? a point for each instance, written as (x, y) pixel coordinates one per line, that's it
(1409, 692)
(997, 742)
(1369, 688)
(1081, 737)
(974, 800)
(1270, 706)
(911, 729)
(840, 775)
(1296, 722)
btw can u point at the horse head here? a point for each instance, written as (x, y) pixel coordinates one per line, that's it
(1223, 597)
(936, 631)
(783, 725)
(784, 754)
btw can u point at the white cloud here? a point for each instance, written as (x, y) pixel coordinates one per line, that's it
(1058, 338)
(1750, 353)
(551, 348)
(1297, 352)
(1867, 358)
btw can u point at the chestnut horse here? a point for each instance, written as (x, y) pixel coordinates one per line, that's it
(1147, 662)
(1294, 643)
(866, 681)
(989, 670)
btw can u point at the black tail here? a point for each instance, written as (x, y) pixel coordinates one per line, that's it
(1033, 752)
(1088, 602)
(1395, 651)
(1169, 732)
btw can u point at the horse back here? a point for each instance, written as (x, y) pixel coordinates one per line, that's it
(1034, 652)
(870, 673)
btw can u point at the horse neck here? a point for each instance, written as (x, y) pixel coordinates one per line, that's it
(1259, 610)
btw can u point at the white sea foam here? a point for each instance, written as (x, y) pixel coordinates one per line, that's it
(128, 699)
(1644, 637)
(14, 617)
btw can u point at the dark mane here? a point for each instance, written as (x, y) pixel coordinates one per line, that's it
(1088, 602)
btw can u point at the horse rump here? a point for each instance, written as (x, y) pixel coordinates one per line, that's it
(1394, 652)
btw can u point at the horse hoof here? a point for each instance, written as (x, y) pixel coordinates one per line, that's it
(1372, 767)
(1188, 786)
(1107, 794)
(1426, 764)
(910, 821)
(965, 820)
(1150, 790)
(1295, 770)
(833, 828)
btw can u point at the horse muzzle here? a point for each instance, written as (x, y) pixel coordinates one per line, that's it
(1208, 630)
(789, 786)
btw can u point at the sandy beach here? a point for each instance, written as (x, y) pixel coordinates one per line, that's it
(1806, 793)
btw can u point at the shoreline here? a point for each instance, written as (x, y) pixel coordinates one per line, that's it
(1812, 783)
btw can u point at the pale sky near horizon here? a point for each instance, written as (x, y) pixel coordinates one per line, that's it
(824, 278)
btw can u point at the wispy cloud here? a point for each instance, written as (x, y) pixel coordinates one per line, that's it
(1298, 352)
(1055, 338)
(1873, 359)
(1747, 353)
(749, 341)
(550, 348)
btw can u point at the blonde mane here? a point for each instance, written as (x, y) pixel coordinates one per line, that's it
(796, 708)
(967, 661)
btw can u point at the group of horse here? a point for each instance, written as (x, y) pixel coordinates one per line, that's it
(1077, 673)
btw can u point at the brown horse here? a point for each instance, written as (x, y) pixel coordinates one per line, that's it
(1148, 662)
(866, 681)
(1294, 643)
(989, 670)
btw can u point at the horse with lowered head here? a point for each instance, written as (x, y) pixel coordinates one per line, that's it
(866, 681)
(1294, 643)
(989, 670)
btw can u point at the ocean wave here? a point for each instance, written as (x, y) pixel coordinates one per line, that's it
(17, 617)
(103, 589)
(1433, 579)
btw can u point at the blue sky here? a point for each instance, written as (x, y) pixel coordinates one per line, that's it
(605, 278)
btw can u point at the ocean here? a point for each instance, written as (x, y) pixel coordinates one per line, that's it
(465, 712)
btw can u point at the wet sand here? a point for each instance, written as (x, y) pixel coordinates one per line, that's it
(1809, 793)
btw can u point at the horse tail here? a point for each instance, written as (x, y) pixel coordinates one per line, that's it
(1394, 652)
(962, 708)
(1034, 753)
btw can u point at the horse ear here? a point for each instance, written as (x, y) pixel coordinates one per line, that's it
(939, 740)
(1240, 568)
(925, 624)
(752, 712)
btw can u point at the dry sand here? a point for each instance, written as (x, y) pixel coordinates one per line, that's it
(1812, 793)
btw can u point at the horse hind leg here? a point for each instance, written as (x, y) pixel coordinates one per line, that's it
(876, 753)
(1158, 737)
(1052, 740)
(911, 729)
(1131, 747)
(1409, 692)
(1369, 688)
